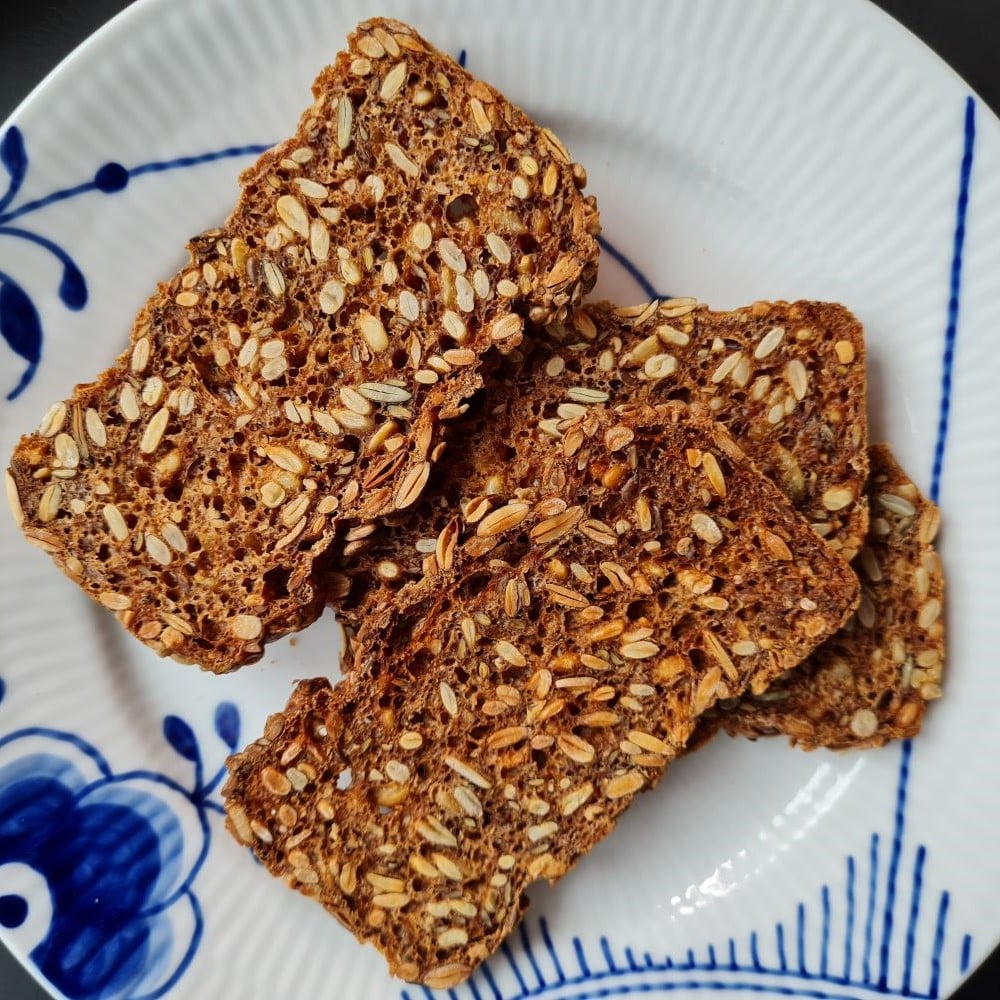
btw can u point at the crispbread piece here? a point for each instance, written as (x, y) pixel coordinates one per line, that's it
(503, 711)
(871, 682)
(297, 369)
(787, 380)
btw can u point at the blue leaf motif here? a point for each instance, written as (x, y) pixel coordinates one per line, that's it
(227, 723)
(15, 161)
(20, 327)
(181, 737)
(73, 287)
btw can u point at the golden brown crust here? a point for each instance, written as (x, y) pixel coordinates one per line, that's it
(297, 370)
(872, 681)
(504, 709)
(786, 379)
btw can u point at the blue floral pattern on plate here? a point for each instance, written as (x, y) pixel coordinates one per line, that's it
(111, 847)
(114, 855)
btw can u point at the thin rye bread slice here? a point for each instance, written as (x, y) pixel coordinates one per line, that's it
(502, 712)
(786, 379)
(298, 368)
(872, 681)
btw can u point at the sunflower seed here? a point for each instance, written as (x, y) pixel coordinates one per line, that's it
(769, 343)
(158, 549)
(154, 431)
(345, 121)
(331, 297)
(467, 771)
(52, 422)
(393, 82)
(373, 333)
(624, 784)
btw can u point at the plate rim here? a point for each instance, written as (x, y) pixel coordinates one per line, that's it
(83, 58)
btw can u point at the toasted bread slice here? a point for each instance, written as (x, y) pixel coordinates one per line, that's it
(503, 710)
(872, 681)
(787, 380)
(297, 369)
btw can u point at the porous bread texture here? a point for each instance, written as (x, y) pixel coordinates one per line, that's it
(872, 681)
(502, 711)
(786, 379)
(297, 370)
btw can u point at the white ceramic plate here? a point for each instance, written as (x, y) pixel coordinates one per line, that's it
(739, 151)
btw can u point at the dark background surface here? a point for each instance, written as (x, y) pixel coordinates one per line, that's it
(35, 36)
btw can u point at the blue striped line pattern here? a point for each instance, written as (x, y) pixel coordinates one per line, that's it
(602, 974)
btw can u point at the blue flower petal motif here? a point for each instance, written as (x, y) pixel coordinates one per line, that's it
(20, 327)
(118, 853)
(227, 724)
(15, 161)
(181, 737)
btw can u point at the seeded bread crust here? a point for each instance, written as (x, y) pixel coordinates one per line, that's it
(298, 369)
(786, 379)
(871, 682)
(502, 712)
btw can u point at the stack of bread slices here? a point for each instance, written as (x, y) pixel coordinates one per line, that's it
(568, 541)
